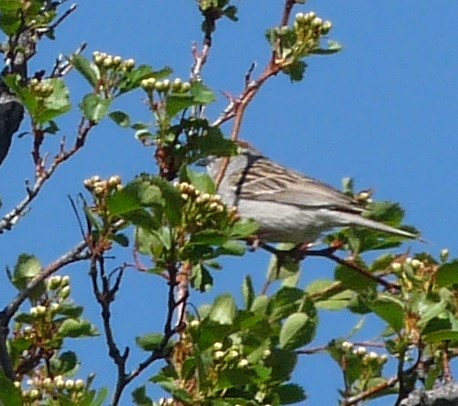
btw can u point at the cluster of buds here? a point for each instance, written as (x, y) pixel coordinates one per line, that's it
(309, 29)
(106, 61)
(100, 187)
(41, 88)
(204, 208)
(165, 402)
(310, 21)
(361, 353)
(233, 354)
(40, 388)
(164, 86)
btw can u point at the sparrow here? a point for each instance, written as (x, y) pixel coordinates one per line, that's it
(288, 206)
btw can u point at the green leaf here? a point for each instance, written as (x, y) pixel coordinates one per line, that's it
(150, 342)
(231, 248)
(296, 331)
(176, 391)
(126, 200)
(244, 228)
(120, 118)
(260, 304)
(390, 309)
(223, 310)
(231, 13)
(176, 103)
(56, 104)
(65, 363)
(338, 301)
(100, 397)
(290, 393)
(248, 292)
(208, 237)
(76, 329)
(70, 310)
(295, 70)
(282, 362)
(201, 93)
(140, 398)
(447, 274)
(354, 280)
(94, 107)
(121, 239)
(283, 266)
(201, 278)
(26, 269)
(88, 70)
(9, 394)
(332, 48)
(201, 181)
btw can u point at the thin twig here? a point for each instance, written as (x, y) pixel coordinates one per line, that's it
(75, 255)
(13, 217)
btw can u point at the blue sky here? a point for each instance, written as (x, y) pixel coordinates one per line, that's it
(383, 111)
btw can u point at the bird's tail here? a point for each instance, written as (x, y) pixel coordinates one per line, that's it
(358, 220)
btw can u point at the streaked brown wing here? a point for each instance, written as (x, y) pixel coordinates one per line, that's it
(267, 181)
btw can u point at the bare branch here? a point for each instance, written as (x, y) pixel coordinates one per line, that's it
(11, 218)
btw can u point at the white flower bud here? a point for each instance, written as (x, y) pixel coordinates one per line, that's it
(69, 384)
(396, 266)
(217, 346)
(242, 363)
(219, 354)
(444, 254)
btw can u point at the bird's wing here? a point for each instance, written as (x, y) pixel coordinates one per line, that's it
(264, 180)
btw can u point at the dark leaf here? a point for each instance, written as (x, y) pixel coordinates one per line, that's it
(120, 118)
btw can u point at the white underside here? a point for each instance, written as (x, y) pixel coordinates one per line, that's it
(281, 223)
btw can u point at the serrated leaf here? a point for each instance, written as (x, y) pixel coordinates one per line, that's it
(54, 105)
(176, 103)
(94, 107)
(150, 342)
(120, 118)
(27, 267)
(296, 332)
(88, 70)
(223, 310)
(201, 93)
(390, 309)
(290, 393)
